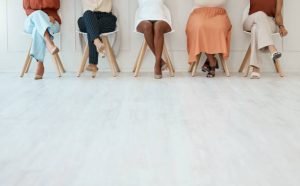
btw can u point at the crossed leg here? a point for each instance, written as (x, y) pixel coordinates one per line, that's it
(154, 35)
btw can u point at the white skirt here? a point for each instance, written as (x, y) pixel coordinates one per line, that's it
(154, 12)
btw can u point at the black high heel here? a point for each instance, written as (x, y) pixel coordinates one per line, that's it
(206, 67)
(211, 73)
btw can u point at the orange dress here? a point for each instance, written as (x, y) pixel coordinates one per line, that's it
(208, 30)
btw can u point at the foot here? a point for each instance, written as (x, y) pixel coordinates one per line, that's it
(164, 65)
(92, 68)
(275, 56)
(211, 73)
(255, 73)
(39, 71)
(157, 71)
(206, 67)
(100, 47)
(212, 68)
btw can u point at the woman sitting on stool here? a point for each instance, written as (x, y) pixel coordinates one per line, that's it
(153, 19)
(96, 20)
(42, 23)
(263, 20)
(208, 30)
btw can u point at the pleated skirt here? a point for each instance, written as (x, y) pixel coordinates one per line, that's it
(208, 30)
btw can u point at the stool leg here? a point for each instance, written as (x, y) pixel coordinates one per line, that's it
(140, 58)
(110, 55)
(28, 64)
(247, 71)
(195, 66)
(27, 61)
(84, 60)
(278, 68)
(245, 60)
(168, 60)
(225, 65)
(56, 65)
(113, 57)
(191, 67)
(60, 63)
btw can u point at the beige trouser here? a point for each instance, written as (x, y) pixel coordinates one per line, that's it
(261, 27)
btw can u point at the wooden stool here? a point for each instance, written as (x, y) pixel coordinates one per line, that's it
(108, 52)
(194, 66)
(55, 58)
(139, 61)
(245, 64)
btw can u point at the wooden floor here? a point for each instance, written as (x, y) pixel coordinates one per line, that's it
(125, 131)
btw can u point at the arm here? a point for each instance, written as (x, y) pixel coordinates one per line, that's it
(278, 18)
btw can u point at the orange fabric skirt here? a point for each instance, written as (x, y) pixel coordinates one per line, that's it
(208, 30)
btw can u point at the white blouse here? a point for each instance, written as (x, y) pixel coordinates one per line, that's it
(210, 3)
(153, 10)
(97, 5)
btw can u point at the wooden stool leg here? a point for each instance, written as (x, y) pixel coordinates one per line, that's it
(28, 64)
(84, 60)
(225, 65)
(168, 60)
(278, 68)
(113, 57)
(60, 63)
(27, 61)
(245, 60)
(140, 58)
(56, 65)
(110, 56)
(195, 66)
(247, 71)
(191, 67)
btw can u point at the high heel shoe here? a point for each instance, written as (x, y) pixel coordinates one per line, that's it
(101, 50)
(275, 56)
(157, 76)
(206, 67)
(211, 73)
(38, 77)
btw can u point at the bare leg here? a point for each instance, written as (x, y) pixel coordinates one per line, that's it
(50, 44)
(272, 49)
(40, 70)
(160, 28)
(147, 28)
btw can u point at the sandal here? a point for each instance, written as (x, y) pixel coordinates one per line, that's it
(275, 56)
(211, 73)
(206, 67)
(164, 66)
(255, 75)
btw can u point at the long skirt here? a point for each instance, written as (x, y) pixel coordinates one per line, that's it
(208, 30)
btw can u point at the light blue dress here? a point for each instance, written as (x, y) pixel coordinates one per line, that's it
(36, 25)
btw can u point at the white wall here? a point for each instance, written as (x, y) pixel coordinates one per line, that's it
(13, 44)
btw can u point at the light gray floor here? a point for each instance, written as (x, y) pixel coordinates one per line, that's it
(124, 131)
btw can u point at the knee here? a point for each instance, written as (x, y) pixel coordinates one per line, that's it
(39, 13)
(145, 27)
(88, 13)
(260, 14)
(80, 21)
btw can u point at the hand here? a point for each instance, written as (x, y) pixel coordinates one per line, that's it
(283, 32)
(52, 20)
